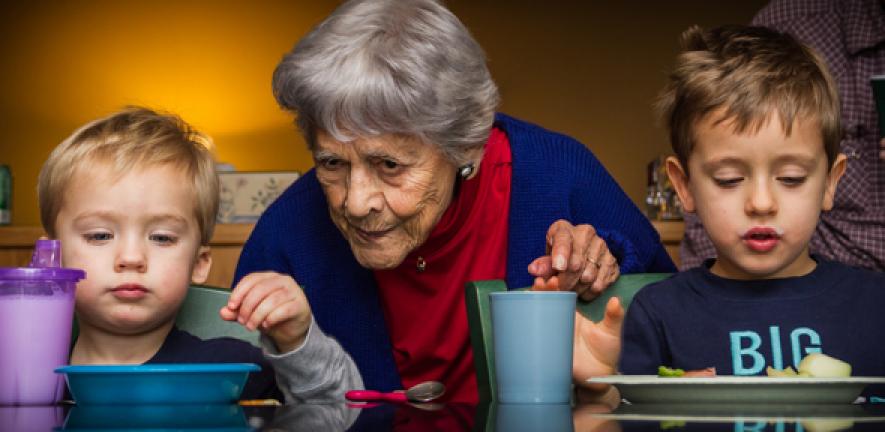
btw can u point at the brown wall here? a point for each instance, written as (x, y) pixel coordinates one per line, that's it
(586, 68)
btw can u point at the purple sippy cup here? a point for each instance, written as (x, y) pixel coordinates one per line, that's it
(36, 312)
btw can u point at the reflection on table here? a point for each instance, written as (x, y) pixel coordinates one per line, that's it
(484, 417)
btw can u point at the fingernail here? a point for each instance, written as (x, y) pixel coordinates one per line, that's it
(559, 262)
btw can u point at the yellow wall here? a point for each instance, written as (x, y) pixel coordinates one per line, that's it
(586, 68)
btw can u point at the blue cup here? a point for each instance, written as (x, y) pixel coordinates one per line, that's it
(532, 334)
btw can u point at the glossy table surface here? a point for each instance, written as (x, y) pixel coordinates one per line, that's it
(452, 417)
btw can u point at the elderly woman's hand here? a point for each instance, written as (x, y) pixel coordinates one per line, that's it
(578, 258)
(273, 303)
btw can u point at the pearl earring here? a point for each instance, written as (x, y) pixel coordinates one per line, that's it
(466, 170)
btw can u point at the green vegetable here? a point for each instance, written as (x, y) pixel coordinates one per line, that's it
(664, 371)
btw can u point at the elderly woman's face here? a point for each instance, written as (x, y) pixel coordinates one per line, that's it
(385, 193)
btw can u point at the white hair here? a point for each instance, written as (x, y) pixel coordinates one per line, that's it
(405, 67)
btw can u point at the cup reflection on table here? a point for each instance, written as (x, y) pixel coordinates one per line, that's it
(534, 417)
(31, 418)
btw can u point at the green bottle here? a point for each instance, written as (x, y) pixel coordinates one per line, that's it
(5, 195)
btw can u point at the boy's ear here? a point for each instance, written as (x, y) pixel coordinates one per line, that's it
(836, 171)
(202, 264)
(679, 179)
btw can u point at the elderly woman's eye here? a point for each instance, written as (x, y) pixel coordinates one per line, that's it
(389, 164)
(329, 163)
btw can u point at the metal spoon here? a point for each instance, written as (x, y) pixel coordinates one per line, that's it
(423, 392)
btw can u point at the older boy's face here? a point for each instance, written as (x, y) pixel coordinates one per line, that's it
(138, 240)
(758, 195)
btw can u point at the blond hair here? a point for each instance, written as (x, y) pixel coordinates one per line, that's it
(133, 138)
(750, 73)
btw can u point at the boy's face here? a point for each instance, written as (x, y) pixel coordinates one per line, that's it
(758, 195)
(139, 242)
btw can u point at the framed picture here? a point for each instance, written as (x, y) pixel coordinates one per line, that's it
(246, 194)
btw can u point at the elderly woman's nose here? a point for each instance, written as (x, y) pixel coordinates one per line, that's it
(363, 195)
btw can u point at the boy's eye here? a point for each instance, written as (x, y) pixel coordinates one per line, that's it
(792, 181)
(163, 239)
(98, 237)
(727, 182)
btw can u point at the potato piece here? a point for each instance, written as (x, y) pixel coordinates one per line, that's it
(780, 373)
(823, 366)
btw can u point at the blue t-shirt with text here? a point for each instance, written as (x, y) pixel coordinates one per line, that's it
(696, 319)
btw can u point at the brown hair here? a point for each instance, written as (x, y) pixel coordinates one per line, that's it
(133, 138)
(750, 73)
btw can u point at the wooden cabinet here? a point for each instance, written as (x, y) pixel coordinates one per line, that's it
(671, 235)
(16, 244)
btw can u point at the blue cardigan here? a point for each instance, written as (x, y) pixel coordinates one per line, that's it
(554, 177)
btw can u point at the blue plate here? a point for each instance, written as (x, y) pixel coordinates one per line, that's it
(204, 383)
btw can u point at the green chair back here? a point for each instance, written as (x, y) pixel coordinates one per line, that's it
(479, 319)
(199, 316)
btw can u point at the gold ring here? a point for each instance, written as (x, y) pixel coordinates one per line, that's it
(596, 263)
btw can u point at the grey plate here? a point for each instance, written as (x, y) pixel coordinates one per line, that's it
(733, 389)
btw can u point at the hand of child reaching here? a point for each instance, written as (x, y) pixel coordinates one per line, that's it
(597, 348)
(272, 303)
(596, 353)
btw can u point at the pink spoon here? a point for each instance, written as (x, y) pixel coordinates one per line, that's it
(423, 392)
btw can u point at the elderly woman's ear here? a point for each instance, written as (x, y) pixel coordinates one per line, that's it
(469, 169)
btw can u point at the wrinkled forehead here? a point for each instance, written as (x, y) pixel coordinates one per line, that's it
(384, 144)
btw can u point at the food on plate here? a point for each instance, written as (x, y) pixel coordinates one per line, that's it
(823, 366)
(664, 371)
(781, 373)
(816, 365)
(701, 373)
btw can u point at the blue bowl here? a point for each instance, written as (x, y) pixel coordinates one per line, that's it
(190, 383)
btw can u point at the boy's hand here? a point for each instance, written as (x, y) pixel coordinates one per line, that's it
(597, 347)
(596, 353)
(272, 303)
(579, 258)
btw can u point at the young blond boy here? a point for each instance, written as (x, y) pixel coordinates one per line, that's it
(133, 197)
(753, 117)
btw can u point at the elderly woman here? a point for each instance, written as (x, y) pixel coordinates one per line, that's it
(420, 187)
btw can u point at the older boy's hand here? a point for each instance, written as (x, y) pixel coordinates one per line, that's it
(273, 303)
(579, 258)
(596, 353)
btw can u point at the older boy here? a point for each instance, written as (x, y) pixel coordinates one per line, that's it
(754, 122)
(133, 199)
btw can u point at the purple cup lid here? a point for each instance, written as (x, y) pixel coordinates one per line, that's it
(47, 253)
(10, 274)
(45, 265)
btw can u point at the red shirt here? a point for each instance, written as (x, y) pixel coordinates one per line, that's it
(425, 310)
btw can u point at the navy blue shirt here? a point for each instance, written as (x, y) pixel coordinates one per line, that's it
(696, 319)
(183, 347)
